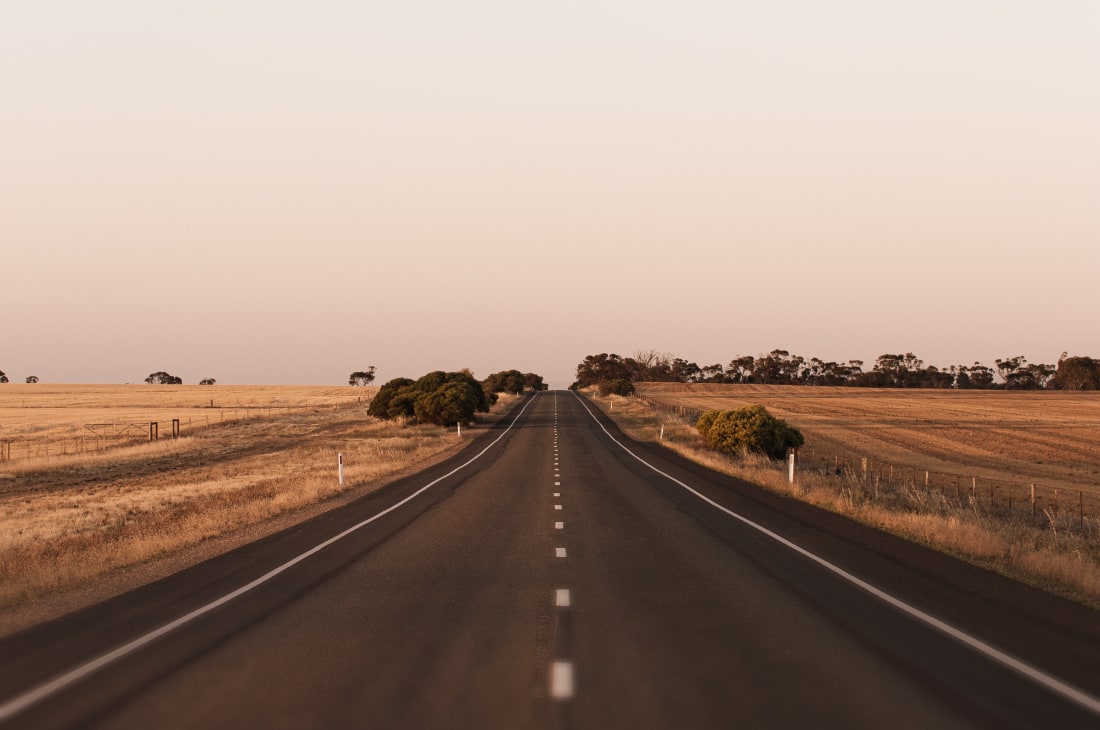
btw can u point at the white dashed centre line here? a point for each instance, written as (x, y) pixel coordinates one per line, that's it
(557, 494)
(559, 525)
(561, 680)
(561, 598)
(559, 552)
(557, 507)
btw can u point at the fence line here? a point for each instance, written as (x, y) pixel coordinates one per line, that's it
(1005, 497)
(92, 440)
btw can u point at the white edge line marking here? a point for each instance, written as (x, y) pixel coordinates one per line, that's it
(31, 697)
(561, 680)
(1052, 683)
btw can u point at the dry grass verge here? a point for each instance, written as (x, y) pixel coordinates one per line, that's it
(69, 522)
(1051, 557)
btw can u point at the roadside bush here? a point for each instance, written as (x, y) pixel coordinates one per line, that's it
(438, 397)
(393, 400)
(506, 381)
(748, 429)
(512, 381)
(620, 386)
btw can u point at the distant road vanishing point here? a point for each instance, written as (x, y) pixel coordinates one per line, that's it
(556, 574)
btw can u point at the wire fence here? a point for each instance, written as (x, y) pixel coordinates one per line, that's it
(1039, 503)
(96, 437)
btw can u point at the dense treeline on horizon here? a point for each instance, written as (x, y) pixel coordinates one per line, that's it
(614, 374)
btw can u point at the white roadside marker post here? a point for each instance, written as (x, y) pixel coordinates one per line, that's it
(340, 467)
(790, 465)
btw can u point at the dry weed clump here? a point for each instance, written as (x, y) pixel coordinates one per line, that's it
(64, 521)
(1059, 555)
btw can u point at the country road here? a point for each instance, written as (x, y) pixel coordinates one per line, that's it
(555, 574)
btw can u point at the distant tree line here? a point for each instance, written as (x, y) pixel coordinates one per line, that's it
(611, 373)
(162, 378)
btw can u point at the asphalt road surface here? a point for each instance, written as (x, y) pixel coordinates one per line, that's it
(557, 575)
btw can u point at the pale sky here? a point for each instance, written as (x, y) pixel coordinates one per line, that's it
(284, 192)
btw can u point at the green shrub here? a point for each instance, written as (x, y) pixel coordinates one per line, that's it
(620, 386)
(438, 397)
(748, 429)
(506, 381)
(707, 420)
(393, 400)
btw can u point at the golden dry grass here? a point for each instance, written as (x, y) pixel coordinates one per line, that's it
(66, 520)
(1055, 555)
(48, 419)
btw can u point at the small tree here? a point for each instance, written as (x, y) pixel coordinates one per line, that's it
(207, 381)
(32, 378)
(362, 377)
(162, 378)
(3, 378)
(748, 429)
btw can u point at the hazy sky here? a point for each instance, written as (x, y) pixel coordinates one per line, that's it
(284, 192)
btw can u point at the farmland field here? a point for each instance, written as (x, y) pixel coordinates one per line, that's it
(1050, 438)
(39, 419)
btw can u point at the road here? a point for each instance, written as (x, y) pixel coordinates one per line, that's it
(557, 575)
